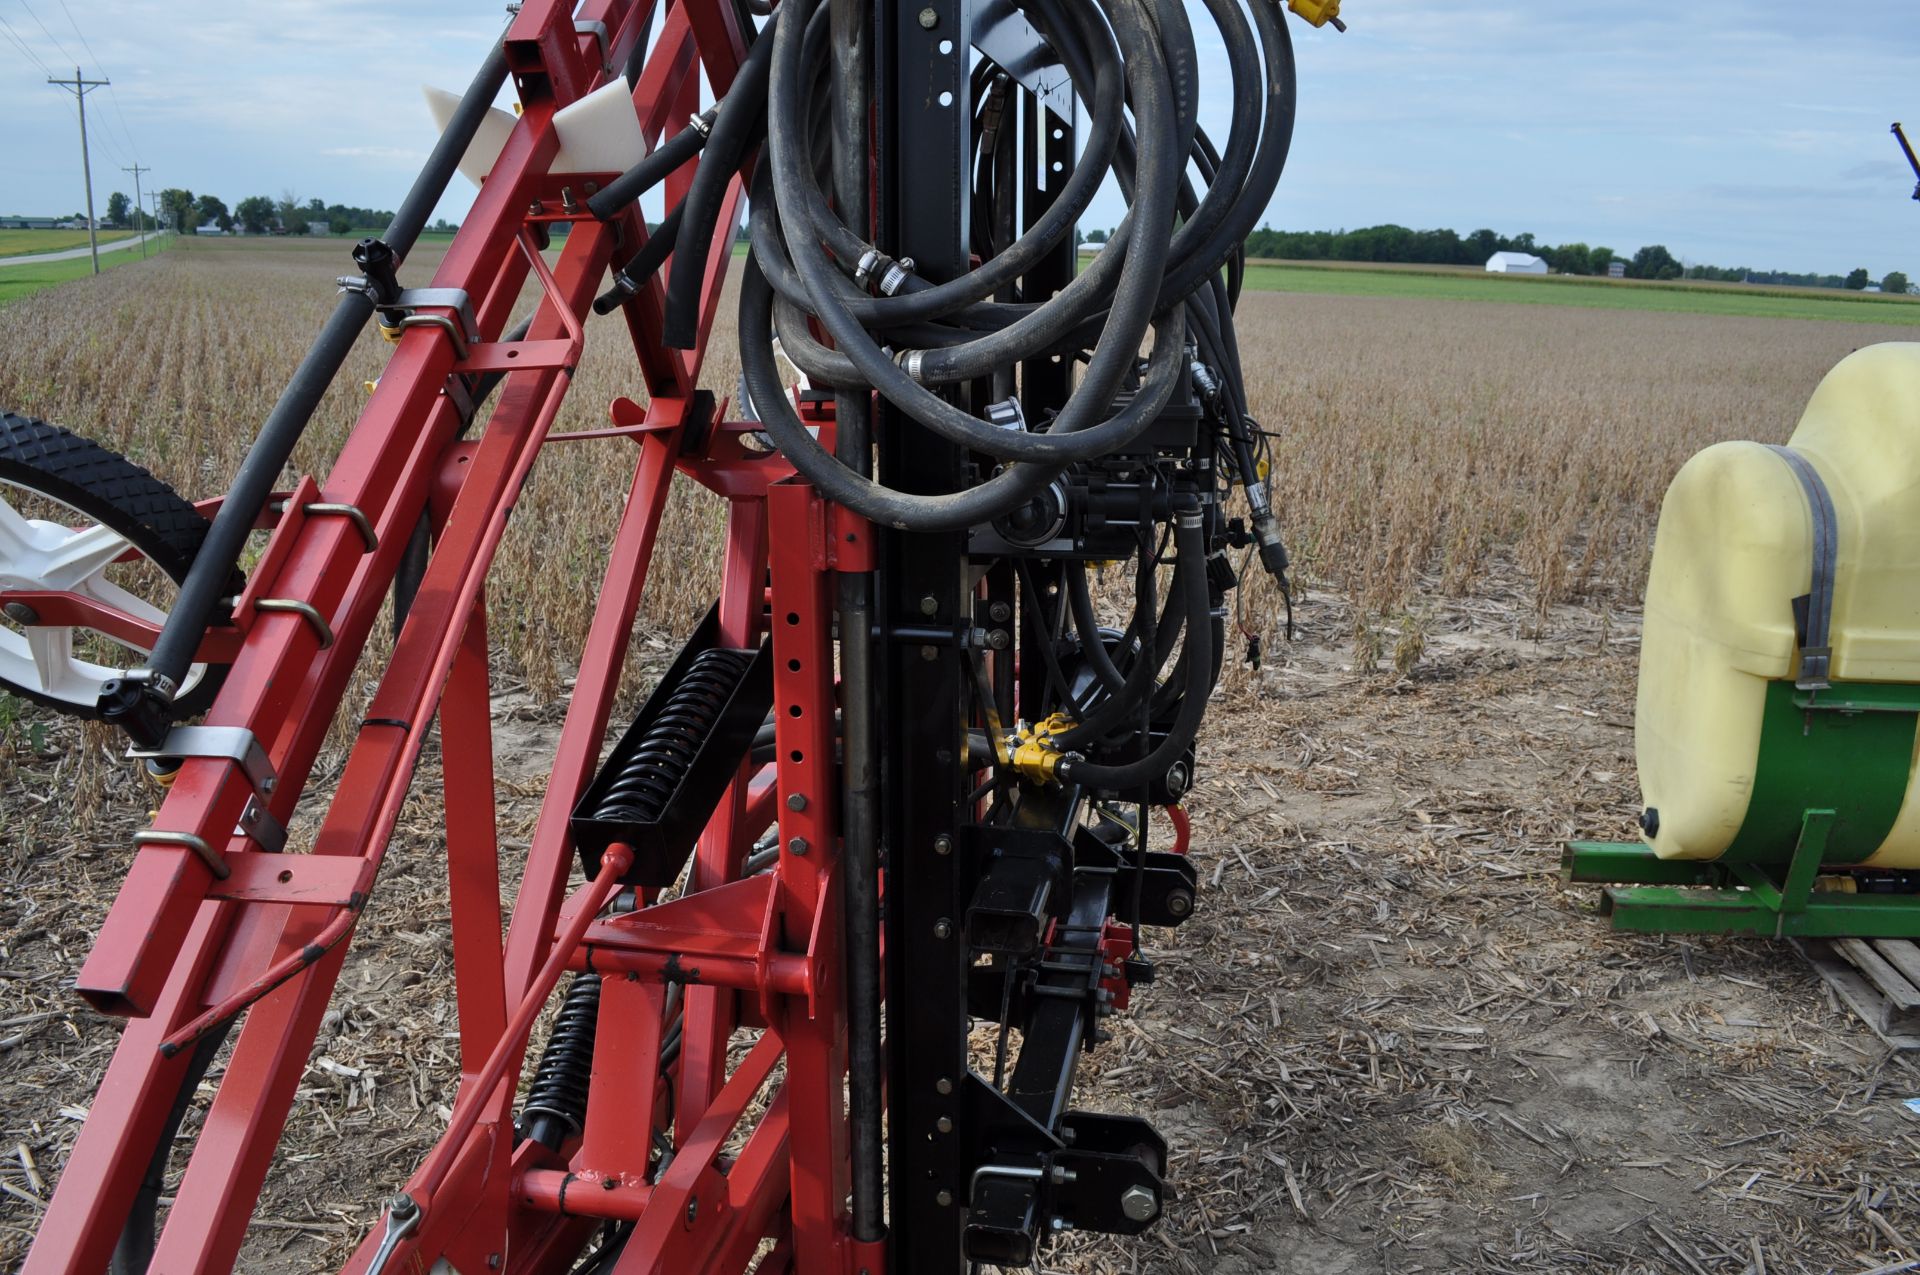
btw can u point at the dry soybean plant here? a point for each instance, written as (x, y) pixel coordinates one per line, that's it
(1427, 447)
(1421, 446)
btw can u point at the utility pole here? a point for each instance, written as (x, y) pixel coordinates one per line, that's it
(80, 88)
(139, 212)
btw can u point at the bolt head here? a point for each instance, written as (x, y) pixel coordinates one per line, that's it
(1000, 612)
(797, 801)
(21, 613)
(943, 1086)
(1180, 903)
(999, 639)
(942, 928)
(944, 1125)
(1139, 1204)
(943, 844)
(943, 1198)
(929, 654)
(929, 19)
(797, 845)
(1178, 779)
(929, 605)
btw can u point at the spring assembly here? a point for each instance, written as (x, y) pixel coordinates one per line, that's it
(557, 1101)
(647, 780)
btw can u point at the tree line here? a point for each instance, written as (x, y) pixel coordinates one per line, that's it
(1451, 248)
(184, 211)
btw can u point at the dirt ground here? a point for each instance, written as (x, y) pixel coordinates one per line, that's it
(1389, 1041)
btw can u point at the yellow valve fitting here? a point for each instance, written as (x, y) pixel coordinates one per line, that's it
(390, 331)
(160, 774)
(1037, 759)
(1319, 12)
(1035, 754)
(370, 386)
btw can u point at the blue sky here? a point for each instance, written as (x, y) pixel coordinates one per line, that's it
(1737, 132)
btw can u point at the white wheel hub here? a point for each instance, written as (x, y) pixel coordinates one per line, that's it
(49, 556)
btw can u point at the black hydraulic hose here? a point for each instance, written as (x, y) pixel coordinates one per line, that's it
(1139, 682)
(445, 159)
(1005, 491)
(1276, 141)
(630, 278)
(208, 577)
(1191, 575)
(637, 58)
(612, 199)
(736, 128)
(924, 300)
(1128, 316)
(1080, 598)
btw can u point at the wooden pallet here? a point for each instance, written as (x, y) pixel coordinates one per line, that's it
(1878, 978)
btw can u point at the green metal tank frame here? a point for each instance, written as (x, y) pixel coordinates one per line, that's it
(1832, 775)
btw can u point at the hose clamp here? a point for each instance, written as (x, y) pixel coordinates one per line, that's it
(896, 276)
(703, 122)
(909, 361)
(869, 261)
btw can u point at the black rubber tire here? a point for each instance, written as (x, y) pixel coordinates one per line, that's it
(119, 494)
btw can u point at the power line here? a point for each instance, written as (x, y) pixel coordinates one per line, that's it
(24, 46)
(65, 56)
(101, 67)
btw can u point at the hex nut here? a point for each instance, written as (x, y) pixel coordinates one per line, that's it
(1139, 1204)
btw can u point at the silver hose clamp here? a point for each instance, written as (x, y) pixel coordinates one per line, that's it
(896, 276)
(909, 361)
(869, 260)
(703, 122)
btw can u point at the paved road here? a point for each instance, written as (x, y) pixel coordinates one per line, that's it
(40, 258)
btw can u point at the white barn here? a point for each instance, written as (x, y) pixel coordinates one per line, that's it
(1515, 263)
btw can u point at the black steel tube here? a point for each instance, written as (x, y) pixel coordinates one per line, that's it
(851, 101)
(212, 567)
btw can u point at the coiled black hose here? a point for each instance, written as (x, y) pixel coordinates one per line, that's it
(1190, 578)
(736, 129)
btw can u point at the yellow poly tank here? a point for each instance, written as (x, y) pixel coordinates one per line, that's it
(1730, 750)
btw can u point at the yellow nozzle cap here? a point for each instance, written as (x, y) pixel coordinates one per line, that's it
(1319, 12)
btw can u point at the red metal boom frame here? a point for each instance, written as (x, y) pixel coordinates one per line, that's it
(183, 948)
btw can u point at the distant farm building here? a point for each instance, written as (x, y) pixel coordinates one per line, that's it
(1515, 263)
(1616, 270)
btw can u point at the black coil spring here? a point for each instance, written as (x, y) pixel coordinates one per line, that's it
(556, 1103)
(557, 1100)
(647, 779)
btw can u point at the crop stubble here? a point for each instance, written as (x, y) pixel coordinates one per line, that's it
(1386, 1043)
